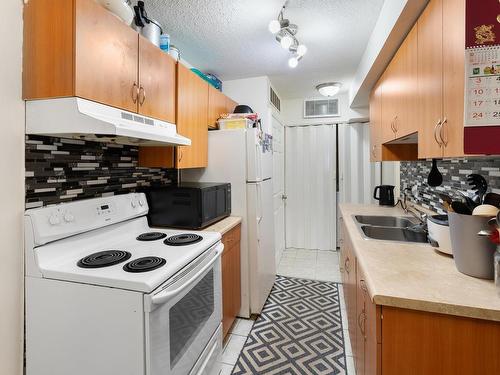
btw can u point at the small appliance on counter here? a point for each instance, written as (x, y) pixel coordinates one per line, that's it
(439, 233)
(386, 195)
(188, 205)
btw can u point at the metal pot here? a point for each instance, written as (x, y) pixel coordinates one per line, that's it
(473, 254)
(148, 27)
(152, 32)
(120, 8)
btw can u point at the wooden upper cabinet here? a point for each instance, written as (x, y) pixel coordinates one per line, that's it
(78, 48)
(106, 57)
(375, 124)
(387, 99)
(216, 106)
(399, 87)
(430, 82)
(411, 84)
(156, 96)
(48, 58)
(192, 119)
(453, 77)
(422, 88)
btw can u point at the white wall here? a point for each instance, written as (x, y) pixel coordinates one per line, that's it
(255, 93)
(292, 111)
(11, 189)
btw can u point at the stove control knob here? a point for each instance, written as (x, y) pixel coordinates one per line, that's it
(141, 202)
(68, 217)
(54, 219)
(133, 203)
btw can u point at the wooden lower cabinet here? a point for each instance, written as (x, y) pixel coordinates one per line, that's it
(395, 341)
(419, 342)
(348, 270)
(368, 336)
(231, 278)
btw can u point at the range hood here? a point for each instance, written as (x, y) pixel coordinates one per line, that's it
(84, 119)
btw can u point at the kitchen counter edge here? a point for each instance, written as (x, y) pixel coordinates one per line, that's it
(486, 308)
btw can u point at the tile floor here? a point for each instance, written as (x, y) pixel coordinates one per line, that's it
(309, 264)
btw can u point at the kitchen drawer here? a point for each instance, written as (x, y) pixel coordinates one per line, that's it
(230, 238)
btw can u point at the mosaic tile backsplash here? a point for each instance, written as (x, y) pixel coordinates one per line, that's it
(63, 170)
(454, 173)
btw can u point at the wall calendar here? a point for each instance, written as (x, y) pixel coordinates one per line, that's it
(482, 86)
(482, 77)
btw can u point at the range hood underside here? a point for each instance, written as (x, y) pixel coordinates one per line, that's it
(86, 120)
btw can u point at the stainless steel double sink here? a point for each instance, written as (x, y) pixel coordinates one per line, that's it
(390, 228)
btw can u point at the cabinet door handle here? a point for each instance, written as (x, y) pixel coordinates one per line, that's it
(435, 133)
(180, 155)
(442, 133)
(142, 95)
(395, 124)
(392, 126)
(361, 321)
(346, 265)
(362, 285)
(135, 93)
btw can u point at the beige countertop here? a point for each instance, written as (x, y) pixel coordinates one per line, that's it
(225, 225)
(415, 276)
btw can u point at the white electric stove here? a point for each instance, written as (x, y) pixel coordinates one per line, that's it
(107, 294)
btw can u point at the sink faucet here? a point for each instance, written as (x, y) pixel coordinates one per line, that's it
(404, 203)
(420, 215)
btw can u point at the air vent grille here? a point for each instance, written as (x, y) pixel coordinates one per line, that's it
(139, 119)
(321, 108)
(274, 99)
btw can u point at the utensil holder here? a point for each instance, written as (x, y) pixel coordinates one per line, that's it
(473, 254)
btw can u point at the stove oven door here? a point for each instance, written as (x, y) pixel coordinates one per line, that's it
(182, 316)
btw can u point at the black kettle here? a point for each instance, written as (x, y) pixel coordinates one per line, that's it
(386, 195)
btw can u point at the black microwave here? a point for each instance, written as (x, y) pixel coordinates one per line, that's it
(188, 205)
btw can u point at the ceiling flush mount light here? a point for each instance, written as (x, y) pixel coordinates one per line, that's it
(329, 89)
(286, 36)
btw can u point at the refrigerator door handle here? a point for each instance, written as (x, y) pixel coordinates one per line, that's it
(259, 203)
(258, 166)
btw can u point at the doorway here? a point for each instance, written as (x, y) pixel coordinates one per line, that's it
(310, 180)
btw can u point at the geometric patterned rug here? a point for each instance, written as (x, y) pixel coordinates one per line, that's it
(298, 332)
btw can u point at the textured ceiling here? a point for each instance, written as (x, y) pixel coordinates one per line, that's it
(230, 38)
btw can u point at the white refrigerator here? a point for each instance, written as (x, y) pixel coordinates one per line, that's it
(244, 158)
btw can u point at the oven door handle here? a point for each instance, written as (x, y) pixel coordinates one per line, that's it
(163, 297)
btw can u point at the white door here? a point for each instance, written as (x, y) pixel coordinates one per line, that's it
(310, 170)
(279, 187)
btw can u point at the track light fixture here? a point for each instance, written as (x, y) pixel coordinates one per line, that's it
(286, 36)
